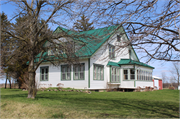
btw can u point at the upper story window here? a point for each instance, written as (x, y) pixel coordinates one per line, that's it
(62, 48)
(111, 51)
(118, 38)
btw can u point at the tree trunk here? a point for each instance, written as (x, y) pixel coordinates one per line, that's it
(31, 84)
(9, 82)
(6, 80)
(19, 81)
(19, 84)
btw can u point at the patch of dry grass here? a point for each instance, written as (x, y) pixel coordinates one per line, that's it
(11, 109)
(14, 109)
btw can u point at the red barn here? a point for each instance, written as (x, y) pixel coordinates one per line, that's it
(157, 82)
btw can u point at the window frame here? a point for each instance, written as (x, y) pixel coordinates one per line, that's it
(44, 67)
(132, 74)
(126, 74)
(70, 44)
(79, 71)
(111, 47)
(144, 75)
(101, 71)
(119, 38)
(114, 75)
(65, 65)
(129, 74)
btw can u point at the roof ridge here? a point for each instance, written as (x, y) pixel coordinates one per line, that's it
(99, 28)
(86, 31)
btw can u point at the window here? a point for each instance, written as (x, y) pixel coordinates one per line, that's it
(79, 71)
(115, 77)
(138, 74)
(65, 72)
(63, 48)
(69, 46)
(111, 51)
(53, 49)
(150, 76)
(132, 74)
(118, 38)
(78, 46)
(98, 72)
(144, 75)
(44, 73)
(125, 74)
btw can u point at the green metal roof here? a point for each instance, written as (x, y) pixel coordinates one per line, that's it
(113, 64)
(128, 62)
(93, 39)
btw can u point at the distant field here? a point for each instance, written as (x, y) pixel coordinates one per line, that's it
(155, 104)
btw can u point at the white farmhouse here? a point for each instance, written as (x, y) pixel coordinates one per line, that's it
(102, 63)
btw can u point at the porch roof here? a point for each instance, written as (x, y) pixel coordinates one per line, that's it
(113, 64)
(128, 62)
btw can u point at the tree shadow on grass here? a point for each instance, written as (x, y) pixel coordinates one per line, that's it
(162, 109)
(112, 107)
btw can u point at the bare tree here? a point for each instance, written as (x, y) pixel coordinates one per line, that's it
(29, 42)
(175, 72)
(164, 78)
(152, 25)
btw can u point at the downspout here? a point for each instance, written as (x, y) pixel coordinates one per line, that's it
(88, 72)
(130, 55)
(110, 73)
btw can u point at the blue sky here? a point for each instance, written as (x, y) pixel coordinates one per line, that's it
(160, 66)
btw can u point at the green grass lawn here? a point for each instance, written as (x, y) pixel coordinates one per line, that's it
(155, 104)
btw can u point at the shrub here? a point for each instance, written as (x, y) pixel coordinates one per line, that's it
(138, 89)
(60, 85)
(172, 88)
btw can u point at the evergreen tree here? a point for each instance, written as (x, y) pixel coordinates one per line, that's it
(16, 68)
(83, 24)
(5, 47)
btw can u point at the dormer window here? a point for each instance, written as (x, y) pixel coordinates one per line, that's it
(111, 51)
(118, 38)
(63, 48)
